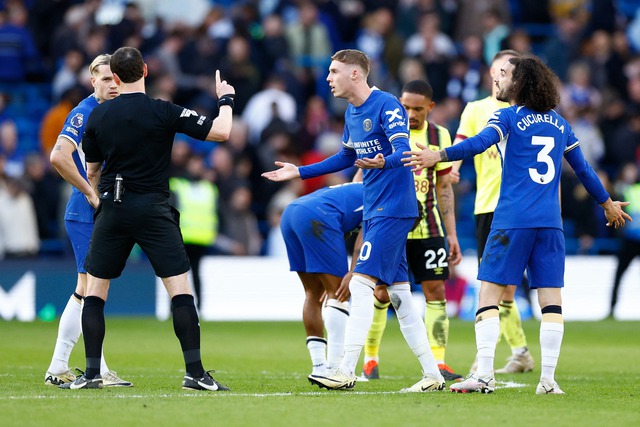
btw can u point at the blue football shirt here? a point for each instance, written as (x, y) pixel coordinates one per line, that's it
(379, 125)
(78, 208)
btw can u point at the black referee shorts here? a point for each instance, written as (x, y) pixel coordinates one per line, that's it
(145, 219)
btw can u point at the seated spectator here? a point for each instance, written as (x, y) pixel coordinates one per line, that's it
(18, 224)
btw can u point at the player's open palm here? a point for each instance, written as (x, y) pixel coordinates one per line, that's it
(286, 172)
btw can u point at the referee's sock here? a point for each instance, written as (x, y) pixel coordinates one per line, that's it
(93, 331)
(187, 329)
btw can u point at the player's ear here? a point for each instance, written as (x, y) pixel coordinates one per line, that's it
(117, 79)
(144, 74)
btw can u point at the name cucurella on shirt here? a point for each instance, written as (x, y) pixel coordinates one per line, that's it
(531, 119)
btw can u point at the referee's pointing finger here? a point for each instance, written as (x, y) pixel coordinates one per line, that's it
(217, 77)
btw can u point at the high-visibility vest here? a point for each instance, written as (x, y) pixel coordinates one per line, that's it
(197, 203)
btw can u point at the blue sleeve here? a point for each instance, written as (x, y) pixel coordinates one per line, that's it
(586, 174)
(474, 145)
(400, 145)
(341, 160)
(74, 125)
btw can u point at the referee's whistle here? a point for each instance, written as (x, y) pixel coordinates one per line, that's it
(119, 189)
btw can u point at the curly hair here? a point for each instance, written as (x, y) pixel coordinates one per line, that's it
(534, 84)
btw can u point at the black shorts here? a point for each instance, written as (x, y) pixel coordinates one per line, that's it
(428, 259)
(483, 227)
(145, 219)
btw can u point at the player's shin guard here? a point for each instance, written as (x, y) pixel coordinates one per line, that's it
(336, 314)
(187, 328)
(551, 333)
(487, 333)
(412, 327)
(359, 321)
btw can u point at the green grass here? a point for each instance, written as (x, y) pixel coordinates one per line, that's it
(266, 365)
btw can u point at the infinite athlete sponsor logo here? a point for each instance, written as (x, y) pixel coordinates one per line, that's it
(77, 120)
(367, 147)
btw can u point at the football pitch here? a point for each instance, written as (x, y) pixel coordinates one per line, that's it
(266, 365)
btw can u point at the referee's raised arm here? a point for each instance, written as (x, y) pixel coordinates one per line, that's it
(221, 127)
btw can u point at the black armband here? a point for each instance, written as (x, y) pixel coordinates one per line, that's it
(226, 100)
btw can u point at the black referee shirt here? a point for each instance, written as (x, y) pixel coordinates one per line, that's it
(133, 135)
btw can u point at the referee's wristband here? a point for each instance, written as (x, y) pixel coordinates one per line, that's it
(226, 100)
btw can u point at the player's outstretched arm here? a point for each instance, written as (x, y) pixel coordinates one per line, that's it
(286, 172)
(424, 158)
(616, 217)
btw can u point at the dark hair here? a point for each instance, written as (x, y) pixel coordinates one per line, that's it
(534, 84)
(127, 63)
(419, 87)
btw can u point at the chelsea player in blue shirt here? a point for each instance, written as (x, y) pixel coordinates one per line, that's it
(376, 133)
(68, 159)
(526, 231)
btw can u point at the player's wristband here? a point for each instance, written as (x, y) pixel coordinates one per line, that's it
(226, 100)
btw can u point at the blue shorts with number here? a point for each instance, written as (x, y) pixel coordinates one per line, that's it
(383, 254)
(314, 244)
(538, 250)
(79, 234)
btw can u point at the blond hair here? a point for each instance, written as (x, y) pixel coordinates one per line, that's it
(100, 60)
(353, 57)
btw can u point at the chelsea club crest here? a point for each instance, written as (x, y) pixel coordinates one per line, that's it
(367, 125)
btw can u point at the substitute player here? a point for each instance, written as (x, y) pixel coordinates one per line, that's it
(426, 250)
(67, 157)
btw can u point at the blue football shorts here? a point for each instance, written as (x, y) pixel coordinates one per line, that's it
(315, 243)
(79, 233)
(508, 253)
(383, 254)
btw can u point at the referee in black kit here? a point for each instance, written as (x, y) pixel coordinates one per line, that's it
(133, 136)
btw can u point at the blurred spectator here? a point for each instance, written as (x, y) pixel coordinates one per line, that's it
(13, 158)
(494, 31)
(259, 110)
(584, 126)
(240, 70)
(239, 231)
(18, 54)
(630, 247)
(274, 245)
(578, 93)
(383, 46)
(577, 210)
(558, 52)
(519, 40)
(309, 45)
(274, 43)
(186, 12)
(470, 12)
(435, 49)
(18, 224)
(625, 141)
(607, 65)
(196, 198)
(67, 75)
(44, 187)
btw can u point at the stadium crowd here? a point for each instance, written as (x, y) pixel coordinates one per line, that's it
(276, 53)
